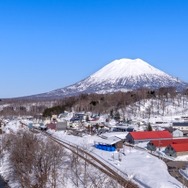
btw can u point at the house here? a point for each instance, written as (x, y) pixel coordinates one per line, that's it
(145, 136)
(175, 150)
(154, 144)
(122, 128)
(109, 144)
(78, 117)
(177, 133)
(180, 125)
(51, 126)
(184, 118)
(57, 126)
(61, 125)
(109, 135)
(118, 128)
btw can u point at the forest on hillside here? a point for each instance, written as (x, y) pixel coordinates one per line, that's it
(106, 103)
(96, 103)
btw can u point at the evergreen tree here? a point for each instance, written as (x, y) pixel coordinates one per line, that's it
(87, 118)
(117, 116)
(149, 128)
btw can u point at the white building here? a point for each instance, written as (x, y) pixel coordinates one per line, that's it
(177, 133)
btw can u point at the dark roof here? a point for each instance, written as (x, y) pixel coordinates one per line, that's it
(150, 135)
(180, 124)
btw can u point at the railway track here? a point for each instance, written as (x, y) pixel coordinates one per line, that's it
(120, 177)
(115, 174)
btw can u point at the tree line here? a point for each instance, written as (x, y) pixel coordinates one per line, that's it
(97, 103)
(106, 103)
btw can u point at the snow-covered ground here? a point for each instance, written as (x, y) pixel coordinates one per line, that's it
(138, 165)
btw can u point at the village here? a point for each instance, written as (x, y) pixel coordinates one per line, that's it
(168, 137)
(114, 141)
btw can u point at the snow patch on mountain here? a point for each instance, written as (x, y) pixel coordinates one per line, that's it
(120, 75)
(124, 68)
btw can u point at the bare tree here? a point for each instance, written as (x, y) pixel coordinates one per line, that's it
(35, 161)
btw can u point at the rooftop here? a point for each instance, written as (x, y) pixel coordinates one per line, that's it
(140, 135)
(180, 147)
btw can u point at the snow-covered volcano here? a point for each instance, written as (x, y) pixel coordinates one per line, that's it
(120, 75)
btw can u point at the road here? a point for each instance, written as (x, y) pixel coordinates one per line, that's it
(174, 167)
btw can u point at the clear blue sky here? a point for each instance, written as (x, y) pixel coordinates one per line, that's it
(50, 44)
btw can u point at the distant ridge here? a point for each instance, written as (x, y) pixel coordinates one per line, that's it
(119, 75)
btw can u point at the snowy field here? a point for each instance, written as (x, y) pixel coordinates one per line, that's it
(138, 165)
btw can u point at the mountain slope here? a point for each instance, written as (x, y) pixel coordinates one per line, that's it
(120, 75)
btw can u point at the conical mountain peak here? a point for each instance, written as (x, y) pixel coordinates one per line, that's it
(120, 75)
(123, 68)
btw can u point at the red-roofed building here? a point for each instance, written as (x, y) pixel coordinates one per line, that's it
(154, 144)
(146, 136)
(175, 150)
